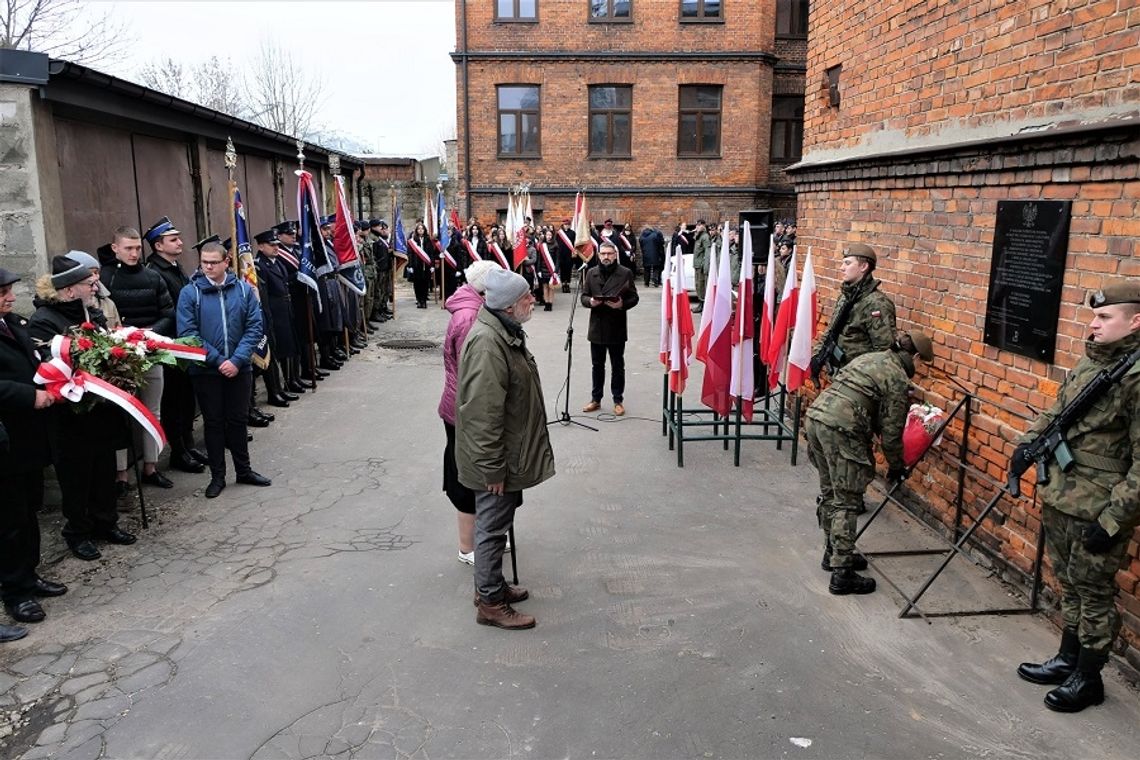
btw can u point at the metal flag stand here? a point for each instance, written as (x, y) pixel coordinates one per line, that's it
(771, 419)
(955, 543)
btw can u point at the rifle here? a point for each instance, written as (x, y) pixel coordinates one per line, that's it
(829, 353)
(1050, 443)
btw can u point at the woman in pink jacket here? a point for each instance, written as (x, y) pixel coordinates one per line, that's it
(464, 306)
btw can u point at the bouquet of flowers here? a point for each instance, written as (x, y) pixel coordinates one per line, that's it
(922, 422)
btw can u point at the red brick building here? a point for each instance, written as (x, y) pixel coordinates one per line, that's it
(919, 119)
(661, 109)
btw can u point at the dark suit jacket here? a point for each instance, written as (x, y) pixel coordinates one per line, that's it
(607, 324)
(26, 426)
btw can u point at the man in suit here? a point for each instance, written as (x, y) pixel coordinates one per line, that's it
(608, 292)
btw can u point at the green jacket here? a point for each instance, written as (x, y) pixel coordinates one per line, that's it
(1104, 484)
(701, 252)
(871, 326)
(869, 396)
(500, 420)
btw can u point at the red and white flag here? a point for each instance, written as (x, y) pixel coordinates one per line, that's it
(667, 306)
(706, 311)
(778, 350)
(803, 336)
(583, 239)
(768, 311)
(494, 248)
(680, 331)
(718, 355)
(743, 381)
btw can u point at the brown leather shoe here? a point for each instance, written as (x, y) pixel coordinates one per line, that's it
(593, 406)
(619, 410)
(514, 595)
(502, 615)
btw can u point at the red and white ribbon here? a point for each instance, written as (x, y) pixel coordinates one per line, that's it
(549, 261)
(156, 342)
(64, 382)
(447, 257)
(495, 249)
(419, 251)
(565, 240)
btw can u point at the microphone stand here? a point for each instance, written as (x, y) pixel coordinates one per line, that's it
(564, 418)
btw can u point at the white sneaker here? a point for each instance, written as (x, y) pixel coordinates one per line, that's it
(468, 558)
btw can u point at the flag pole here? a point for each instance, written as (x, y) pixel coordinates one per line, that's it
(231, 164)
(392, 258)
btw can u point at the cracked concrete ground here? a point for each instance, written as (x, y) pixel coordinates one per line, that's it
(681, 612)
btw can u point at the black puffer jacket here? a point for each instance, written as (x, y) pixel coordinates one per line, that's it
(170, 273)
(141, 295)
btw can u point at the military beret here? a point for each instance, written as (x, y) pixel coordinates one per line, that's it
(861, 250)
(211, 239)
(923, 346)
(1113, 294)
(162, 227)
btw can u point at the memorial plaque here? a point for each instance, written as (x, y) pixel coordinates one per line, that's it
(1031, 240)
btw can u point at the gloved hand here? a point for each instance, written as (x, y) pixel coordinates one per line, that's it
(897, 474)
(1097, 540)
(816, 367)
(1020, 461)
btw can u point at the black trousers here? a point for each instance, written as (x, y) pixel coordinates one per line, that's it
(598, 353)
(224, 402)
(83, 453)
(652, 275)
(177, 410)
(421, 284)
(20, 533)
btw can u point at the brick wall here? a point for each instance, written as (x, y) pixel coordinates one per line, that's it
(945, 111)
(737, 54)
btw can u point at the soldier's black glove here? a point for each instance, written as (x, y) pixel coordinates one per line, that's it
(1097, 540)
(1020, 461)
(897, 474)
(816, 367)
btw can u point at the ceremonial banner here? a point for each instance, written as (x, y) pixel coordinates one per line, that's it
(344, 243)
(312, 253)
(239, 233)
(583, 231)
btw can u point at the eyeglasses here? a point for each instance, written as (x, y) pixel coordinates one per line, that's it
(205, 263)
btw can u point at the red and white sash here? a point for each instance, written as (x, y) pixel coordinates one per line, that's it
(495, 249)
(565, 240)
(448, 258)
(471, 250)
(549, 261)
(419, 251)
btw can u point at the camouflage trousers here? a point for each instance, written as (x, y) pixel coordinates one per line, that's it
(370, 290)
(843, 459)
(1088, 581)
(382, 292)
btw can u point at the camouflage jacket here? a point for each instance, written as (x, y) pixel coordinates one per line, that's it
(701, 252)
(1104, 484)
(869, 396)
(364, 251)
(871, 326)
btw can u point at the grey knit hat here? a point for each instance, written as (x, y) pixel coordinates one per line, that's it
(504, 288)
(66, 272)
(86, 259)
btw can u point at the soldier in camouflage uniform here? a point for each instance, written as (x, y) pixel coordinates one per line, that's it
(869, 395)
(1090, 511)
(871, 324)
(364, 251)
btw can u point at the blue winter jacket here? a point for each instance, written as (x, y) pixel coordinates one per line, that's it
(226, 317)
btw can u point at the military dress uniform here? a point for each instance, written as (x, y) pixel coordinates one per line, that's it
(868, 396)
(1089, 514)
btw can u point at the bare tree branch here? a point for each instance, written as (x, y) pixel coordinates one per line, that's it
(282, 94)
(62, 29)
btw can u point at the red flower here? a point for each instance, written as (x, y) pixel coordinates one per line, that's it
(118, 352)
(87, 326)
(152, 345)
(85, 344)
(137, 336)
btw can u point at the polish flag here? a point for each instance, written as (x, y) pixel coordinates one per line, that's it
(718, 355)
(768, 312)
(807, 316)
(667, 306)
(583, 240)
(680, 331)
(743, 382)
(706, 306)
(777, 355)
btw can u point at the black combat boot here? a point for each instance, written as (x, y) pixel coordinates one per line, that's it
(846, 581)
(1055, 670)
(1083, 688)
(858, 561)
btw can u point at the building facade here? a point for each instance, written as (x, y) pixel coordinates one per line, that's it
(919, 120)
(661, 110)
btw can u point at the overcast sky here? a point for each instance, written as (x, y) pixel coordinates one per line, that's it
(391, 82)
